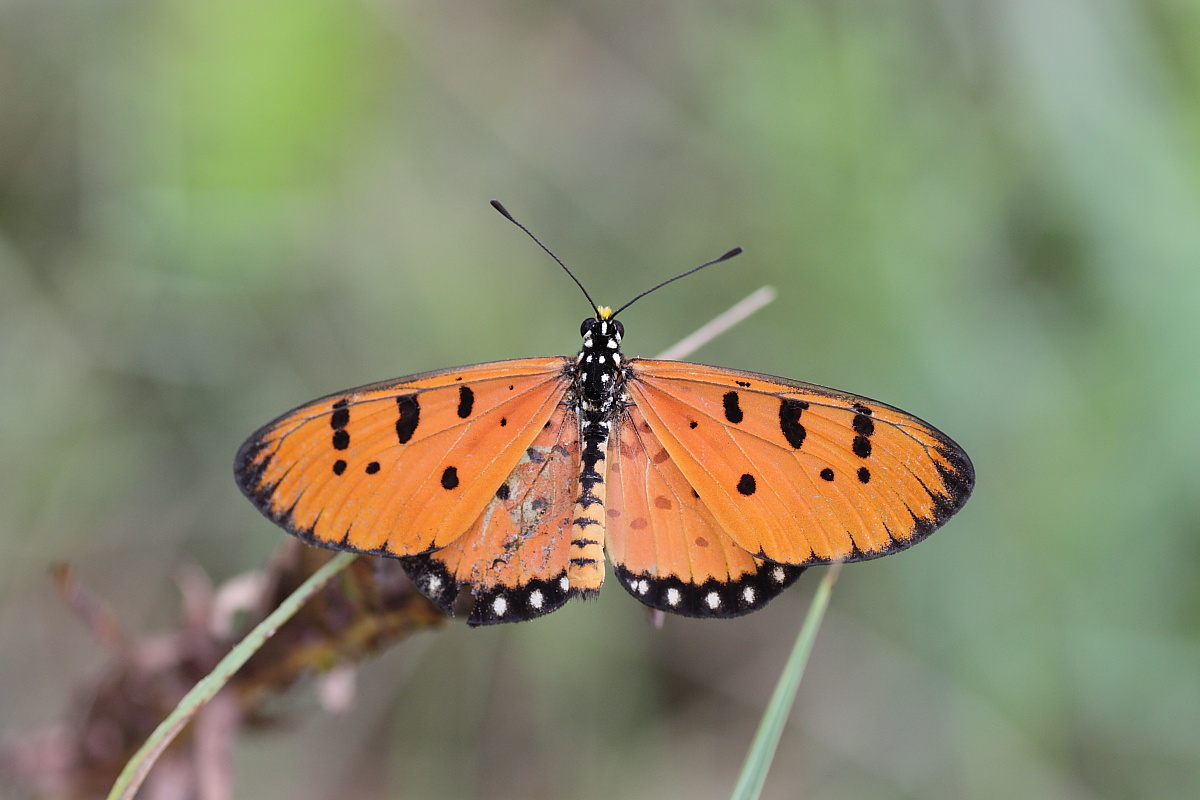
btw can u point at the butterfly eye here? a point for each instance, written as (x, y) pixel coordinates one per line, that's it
(587, 326)
(619, 328)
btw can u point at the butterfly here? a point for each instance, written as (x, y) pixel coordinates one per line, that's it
(709, 490)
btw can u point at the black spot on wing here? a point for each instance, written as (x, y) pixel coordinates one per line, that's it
(733, 411)
(790, 410)
(449, 478)
(410, 417)
(338, 420)
(862, 446)
(339, 467)
(826, 474)
(466, 401)
(340, 417)
(746, 485)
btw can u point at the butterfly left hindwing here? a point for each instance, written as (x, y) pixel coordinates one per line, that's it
(515, 556)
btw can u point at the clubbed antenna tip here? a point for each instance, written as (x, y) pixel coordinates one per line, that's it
(499, 207)
(735, 251)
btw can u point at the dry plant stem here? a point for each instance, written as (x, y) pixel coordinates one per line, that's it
(139, 766)
(723, 322)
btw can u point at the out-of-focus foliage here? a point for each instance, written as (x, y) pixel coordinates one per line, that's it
(985, 213)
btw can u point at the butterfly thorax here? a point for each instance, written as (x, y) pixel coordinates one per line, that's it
(598, 375)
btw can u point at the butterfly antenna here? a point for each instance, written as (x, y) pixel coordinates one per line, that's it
(496, 205)
(735, 251)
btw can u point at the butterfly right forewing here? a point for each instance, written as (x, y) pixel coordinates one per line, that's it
(401, 467)
(799, 473)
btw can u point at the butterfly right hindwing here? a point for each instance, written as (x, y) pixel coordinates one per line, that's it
(666, 548)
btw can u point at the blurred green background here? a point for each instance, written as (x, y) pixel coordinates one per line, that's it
(986, 213)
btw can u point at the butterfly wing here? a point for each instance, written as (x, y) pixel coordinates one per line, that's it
(666, 547)
(405, 466)
(797, 473)
(515, 555)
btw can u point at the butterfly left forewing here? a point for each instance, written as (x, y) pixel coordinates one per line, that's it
(400, 467)
(798, 473)
(666, 548)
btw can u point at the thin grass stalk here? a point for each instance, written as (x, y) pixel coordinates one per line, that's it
(770, 728)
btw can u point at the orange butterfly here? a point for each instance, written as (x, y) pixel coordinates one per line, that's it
(709, 489)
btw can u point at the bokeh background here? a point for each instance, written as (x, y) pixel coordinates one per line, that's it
(984, 212)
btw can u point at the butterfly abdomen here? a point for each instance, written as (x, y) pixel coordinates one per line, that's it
(586, 569)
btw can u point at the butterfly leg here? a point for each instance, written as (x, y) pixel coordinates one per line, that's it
(586, 569)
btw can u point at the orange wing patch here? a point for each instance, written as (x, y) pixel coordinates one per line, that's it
(666, 547)
(798, 473)
(515, 556)
(401, 467)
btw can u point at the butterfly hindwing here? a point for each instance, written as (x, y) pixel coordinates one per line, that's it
(400, 467)
(797, 473)
(666, 548)
(515, 555)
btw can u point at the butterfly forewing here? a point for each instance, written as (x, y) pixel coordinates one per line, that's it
(798, 473)
(666, 548)
(515, 555)
(404, 466)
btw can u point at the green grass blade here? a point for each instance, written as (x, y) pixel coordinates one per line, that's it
(139, 766)
(762, 749)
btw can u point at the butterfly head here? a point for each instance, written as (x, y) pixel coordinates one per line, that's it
(598, 373)
(601, 332)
